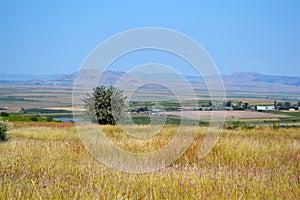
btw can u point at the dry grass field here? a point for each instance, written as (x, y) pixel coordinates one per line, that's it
(48, 161)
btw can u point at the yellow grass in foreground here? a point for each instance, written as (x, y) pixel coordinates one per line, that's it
(48, 162)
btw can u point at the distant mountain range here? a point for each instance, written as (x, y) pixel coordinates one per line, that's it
(240, 81)
(256, 77)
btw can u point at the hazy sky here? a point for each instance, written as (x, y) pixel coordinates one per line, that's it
(55, 36)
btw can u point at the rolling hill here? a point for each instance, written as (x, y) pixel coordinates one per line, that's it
(243, 82)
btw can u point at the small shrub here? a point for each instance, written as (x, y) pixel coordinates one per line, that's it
(276, 126)
(3, 131)
(4, 114)
(248, 127)
(236, 124)
(49, 118)
(34, 118)
(233, 125)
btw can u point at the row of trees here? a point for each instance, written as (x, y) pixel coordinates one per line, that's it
(239, 105)
(286, 105)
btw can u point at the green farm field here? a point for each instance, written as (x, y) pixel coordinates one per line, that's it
(48, 161)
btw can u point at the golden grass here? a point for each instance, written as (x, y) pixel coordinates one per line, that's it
(48, 162)
(18, 124)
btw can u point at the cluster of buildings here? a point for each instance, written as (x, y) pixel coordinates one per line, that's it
(153, 111)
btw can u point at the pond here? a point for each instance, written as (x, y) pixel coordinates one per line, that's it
(66, 119)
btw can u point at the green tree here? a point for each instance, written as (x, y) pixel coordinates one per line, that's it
(105, 105)
(228, 103)
(286, 105)
(280, 104)
(246, 106)
(298, 103)
(210, 104)
(239, 104)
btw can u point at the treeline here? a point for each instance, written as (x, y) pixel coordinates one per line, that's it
(286, 105)
(239, 105)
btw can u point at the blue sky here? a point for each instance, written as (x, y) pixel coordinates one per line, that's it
(52, 37)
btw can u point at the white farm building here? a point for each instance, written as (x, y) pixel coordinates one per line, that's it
(265, 108)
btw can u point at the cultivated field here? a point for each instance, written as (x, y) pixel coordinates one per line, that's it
(48, 161)
(230, 115)
(15, 97)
